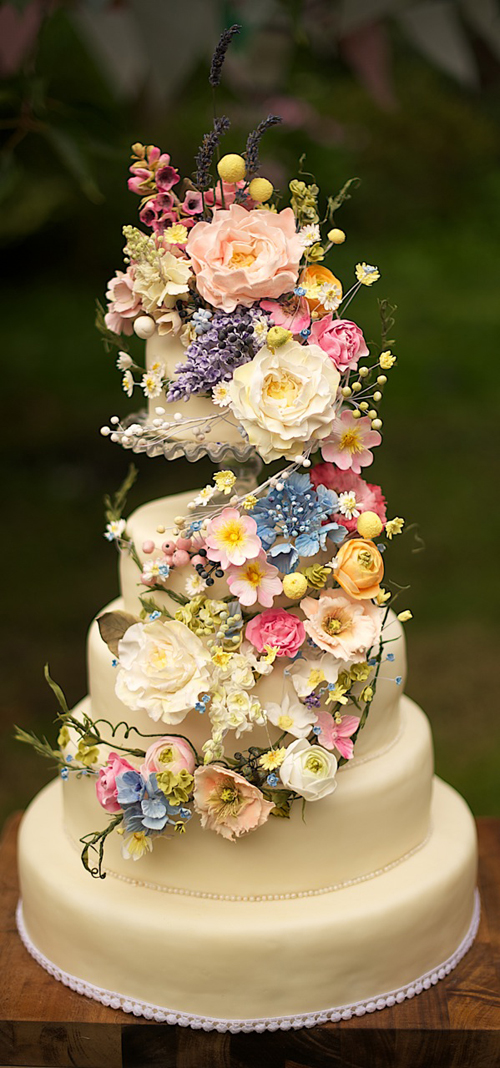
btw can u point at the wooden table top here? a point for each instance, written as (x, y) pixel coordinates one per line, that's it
(455, 1024)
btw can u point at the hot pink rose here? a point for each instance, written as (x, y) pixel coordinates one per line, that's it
(168, 754)
(342, 341)
(369, 498)
(105, 786)
(123, 305)
(242, 256)
(227, 803)
(276, 627)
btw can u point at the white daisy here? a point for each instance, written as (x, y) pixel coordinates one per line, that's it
(348, 505)
(330, 295)
(310, 234)
(220, 395)
(128, 383)
(151, 383)
(205, 495)
(124, 361)
(114, 530)
(195, 584)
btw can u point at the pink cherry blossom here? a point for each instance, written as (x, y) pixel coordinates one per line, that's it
(349, 443)
(337, 735)
(282, 630)
(369, 497)
(255, 581)
(232, 538)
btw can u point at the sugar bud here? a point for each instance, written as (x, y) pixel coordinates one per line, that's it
(277, 336)
(294, 585)
(231, 168)
(336, 236)
(260, 189)
(369, 525)
(144, 326)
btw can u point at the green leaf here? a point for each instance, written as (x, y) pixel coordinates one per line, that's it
(114, 505)
(151, 606)
(61, 700)
(112, 627)
(334, 203)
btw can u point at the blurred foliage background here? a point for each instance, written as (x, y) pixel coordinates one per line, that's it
(405, 95)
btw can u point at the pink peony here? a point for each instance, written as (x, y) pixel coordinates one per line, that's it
(369, 498)
(105, 786)
(232, 538)
(123, 305)
(292, 313)
(255, 581)
(341, 625)
(337, 735)
(242, 256)
(278, 628)
(168, 754)
(342, 341)
(227, 803)
(349, 443)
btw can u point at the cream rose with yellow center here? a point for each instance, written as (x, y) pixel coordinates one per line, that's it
(164, 668)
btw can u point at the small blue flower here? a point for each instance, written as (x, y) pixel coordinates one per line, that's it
(299, 291)
(154, 615)
(399, 679)
(371, 662)
(316, 730)
(130, 787)
(391, 657)
(69, 758)
(199, 707)
(272, 779)
(206, 698)
(64, 773)
(284, 556)
(164, 570)
(381, 547)
(197, 525)
(114, 662)
(305, 333)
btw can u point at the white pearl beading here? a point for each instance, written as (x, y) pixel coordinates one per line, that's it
(277, 1023)
(249, 898)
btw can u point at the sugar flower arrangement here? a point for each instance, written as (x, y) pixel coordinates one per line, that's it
(264, 611)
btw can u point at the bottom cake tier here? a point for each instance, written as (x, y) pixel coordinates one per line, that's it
(250, 965)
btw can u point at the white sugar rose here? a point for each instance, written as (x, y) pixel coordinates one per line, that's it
(309, 770)
(285, 398)
(164, 668)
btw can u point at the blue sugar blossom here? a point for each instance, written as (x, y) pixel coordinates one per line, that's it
(293, 521)
(130, 788)
(153, 811)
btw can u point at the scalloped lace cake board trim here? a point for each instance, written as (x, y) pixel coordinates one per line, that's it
(277, 1023)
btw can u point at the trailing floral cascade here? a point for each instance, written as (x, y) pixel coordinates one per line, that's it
(286, 578)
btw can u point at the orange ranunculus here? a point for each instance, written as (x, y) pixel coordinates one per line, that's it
(312, 278)
(360, 568)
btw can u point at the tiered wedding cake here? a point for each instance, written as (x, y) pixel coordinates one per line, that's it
(246, 740)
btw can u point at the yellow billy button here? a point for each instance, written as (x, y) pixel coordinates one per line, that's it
(260, 190)
(294, 585)
(231, 168)
(336, 236)
(369, 525)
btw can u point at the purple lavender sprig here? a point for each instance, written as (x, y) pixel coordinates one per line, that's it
(205, 153)
(229, 342)
(220, 54)
(253, 142)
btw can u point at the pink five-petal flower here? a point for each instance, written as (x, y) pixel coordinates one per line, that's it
(349, 443)
(369, 497)
(232, 538)
(255, 581)
(279, 628)
(292, 313)
(337, 735)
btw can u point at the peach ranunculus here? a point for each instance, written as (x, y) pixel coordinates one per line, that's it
(168, 754)
(359, 568)
(341, 626)
(243, 255)
(227, 803)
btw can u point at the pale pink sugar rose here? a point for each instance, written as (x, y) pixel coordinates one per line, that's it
(278, 628)
(369, 497)
(349, 443)
(227, 803)
(232, 538)
(255, 581)
(340, 625)
(123, 305)
(342, 341)
(337, 735)
(292, 313)
(168, 754)
(243, 255)
(105, 786)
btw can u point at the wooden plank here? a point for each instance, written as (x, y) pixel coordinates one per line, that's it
(453, 1025)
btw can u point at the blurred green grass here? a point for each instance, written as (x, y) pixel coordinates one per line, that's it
(427, 214)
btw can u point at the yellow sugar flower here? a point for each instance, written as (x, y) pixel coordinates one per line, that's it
(367, 274)
(405, 616)
(220, 658)
(273, 759)
(394, 526)
(383, 596)
(386, 360)
(176, 235)
(137, 845)
(249, 502)
(224, 480)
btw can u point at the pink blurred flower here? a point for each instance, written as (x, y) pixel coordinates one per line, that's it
(255, 581)
(242, 256)
(105, 786)
(349, 443)
(341, 339)
(292, 313)
(369, 497)
(230, 189)
(232, 538)
(227, 803)
(123, 305)
(337, 735)
(168, 754)
(278, 628)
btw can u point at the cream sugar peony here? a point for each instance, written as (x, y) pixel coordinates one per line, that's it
(285, 398)
(163, 669)
(241, 256)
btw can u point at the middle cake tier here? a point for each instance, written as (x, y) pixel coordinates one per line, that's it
(377, 815)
